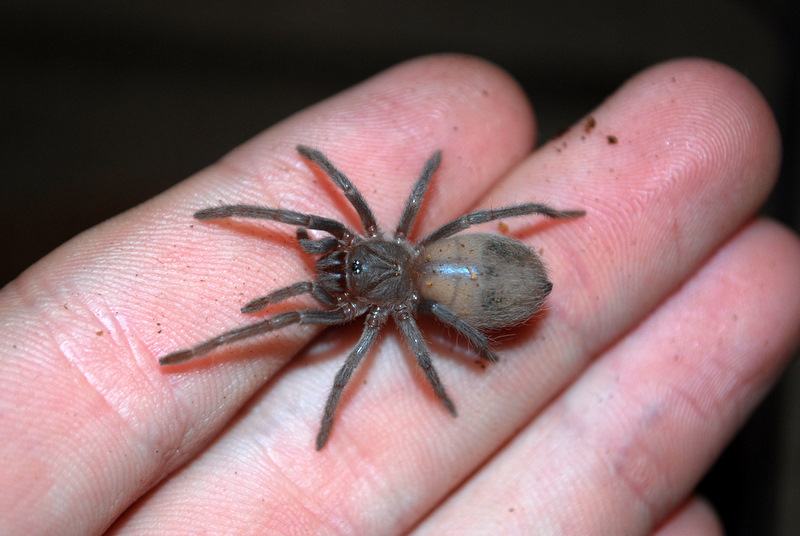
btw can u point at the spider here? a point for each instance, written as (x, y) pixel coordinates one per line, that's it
(474, 283)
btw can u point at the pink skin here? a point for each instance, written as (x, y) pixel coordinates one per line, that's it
(673, 312)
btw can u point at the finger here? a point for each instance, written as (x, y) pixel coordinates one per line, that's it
(626, 443)
(88, 417)
(394, 449)
(695, 518)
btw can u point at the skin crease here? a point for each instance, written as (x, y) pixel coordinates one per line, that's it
(672, 313)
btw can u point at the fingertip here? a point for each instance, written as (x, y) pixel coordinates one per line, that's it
(695, 517)
(698, 109)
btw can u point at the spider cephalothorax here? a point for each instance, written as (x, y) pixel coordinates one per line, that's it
(473, 283)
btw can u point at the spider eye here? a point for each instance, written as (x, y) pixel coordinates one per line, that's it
(355, 267)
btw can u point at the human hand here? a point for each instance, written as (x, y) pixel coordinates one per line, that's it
(673, 312)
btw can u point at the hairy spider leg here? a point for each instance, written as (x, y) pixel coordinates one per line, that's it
(282, 215)
(305, 316)
(447, 317)
(482, 216)
(296, 289)
(415, 199)
(316, 247)
(372, 326)
(349, 189)
(410, 330)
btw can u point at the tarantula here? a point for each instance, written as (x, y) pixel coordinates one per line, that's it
(474, 283)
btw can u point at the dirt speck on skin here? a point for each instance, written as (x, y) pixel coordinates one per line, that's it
(612, 140)
(589, 124)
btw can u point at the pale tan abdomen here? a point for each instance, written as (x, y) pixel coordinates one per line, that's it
(490, 281)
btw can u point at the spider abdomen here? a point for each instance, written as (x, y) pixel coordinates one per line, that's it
(490, 281)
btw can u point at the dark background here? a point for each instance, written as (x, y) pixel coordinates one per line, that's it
(104, 104)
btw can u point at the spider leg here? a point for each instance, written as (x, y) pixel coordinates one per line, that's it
(482, 216)
(308, 316)
(415, 199)
(372, 327)
(282, 215)
(316, 247)
(413, 335)
(302, 287)
(349, 189)
(446, 316)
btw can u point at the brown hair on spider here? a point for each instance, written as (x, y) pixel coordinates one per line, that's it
(473, 283)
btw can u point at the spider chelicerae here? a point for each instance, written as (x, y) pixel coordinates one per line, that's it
(474, 283)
